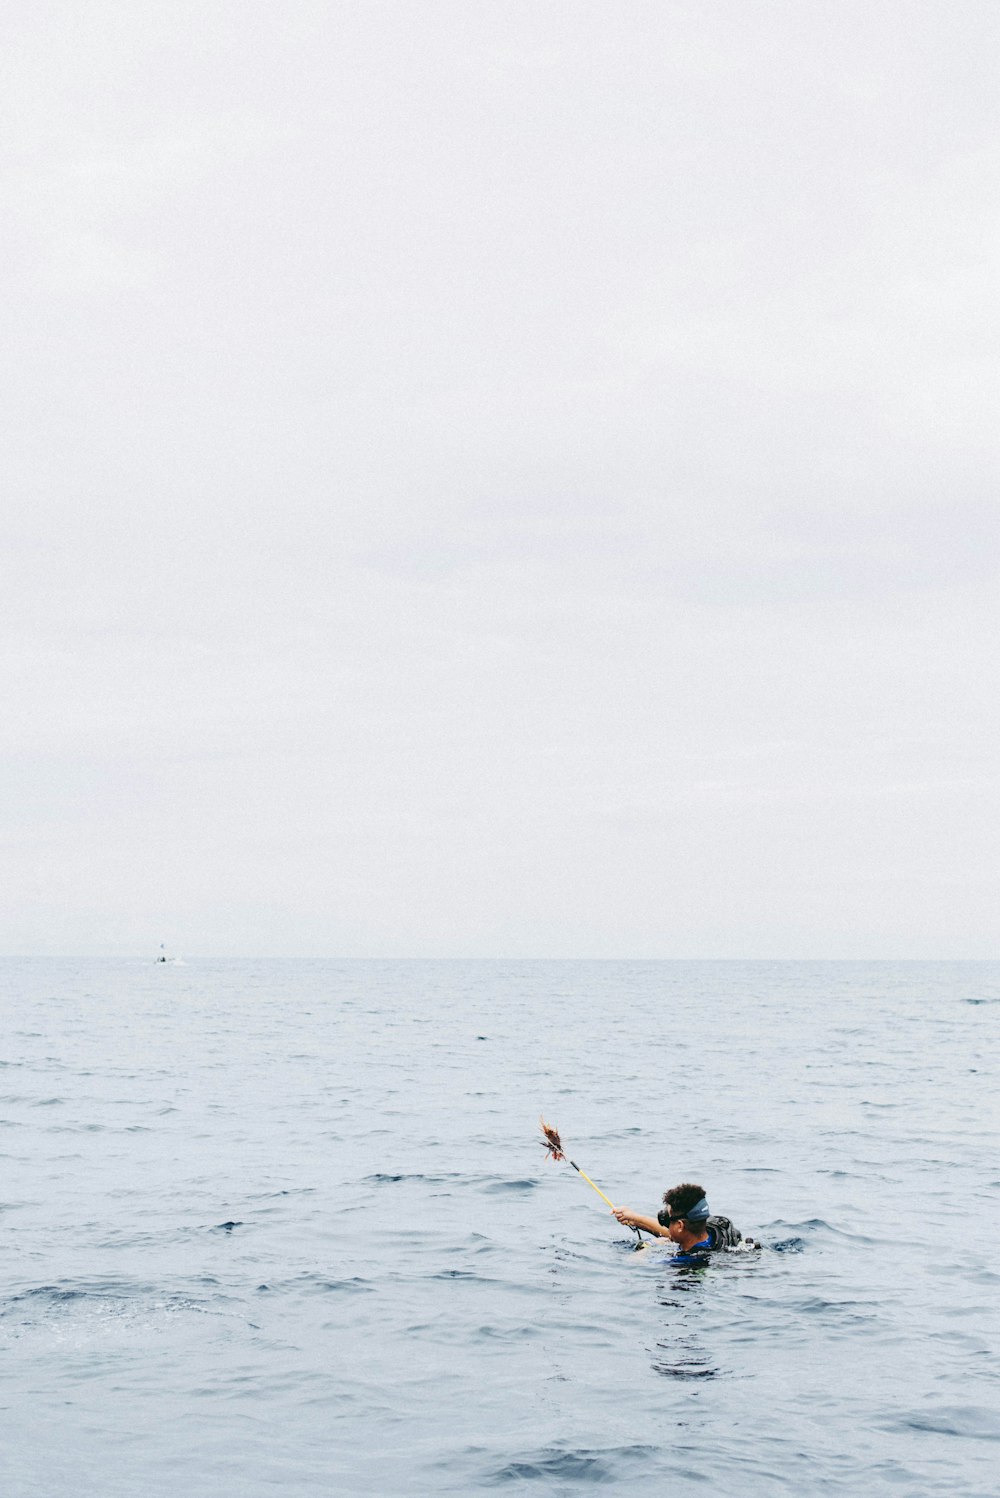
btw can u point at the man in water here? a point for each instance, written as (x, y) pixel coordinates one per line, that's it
(686, 1220)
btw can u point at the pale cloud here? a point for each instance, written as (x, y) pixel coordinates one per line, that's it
(485, 481)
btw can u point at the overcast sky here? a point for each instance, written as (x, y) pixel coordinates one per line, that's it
(500, 478)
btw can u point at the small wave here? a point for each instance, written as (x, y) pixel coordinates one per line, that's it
(66, 1294)
(50, 1293)
(856, 1310)
(268, 1196)
(353, 1286)
(583, 1466)
(685, 1368)
(100, 1300)
(320, 1284)
(463, 1274)
(818, 1227)
(952, 1420)
(392, 1178)
(515, 1333)
(488, 1185)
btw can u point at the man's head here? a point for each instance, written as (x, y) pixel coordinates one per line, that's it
(684, 1212)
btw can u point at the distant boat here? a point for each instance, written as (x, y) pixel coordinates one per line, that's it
(163, 955)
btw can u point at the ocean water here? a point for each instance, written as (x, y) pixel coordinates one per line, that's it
(286, 1227)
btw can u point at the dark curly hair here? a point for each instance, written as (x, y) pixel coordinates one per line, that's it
(680, 1199)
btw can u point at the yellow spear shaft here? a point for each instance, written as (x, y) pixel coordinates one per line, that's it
(600, 1193)
(591, 1183)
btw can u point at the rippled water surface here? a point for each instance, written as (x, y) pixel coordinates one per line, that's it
(285, 1227)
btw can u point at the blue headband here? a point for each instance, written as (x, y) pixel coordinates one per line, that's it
(699, 1212)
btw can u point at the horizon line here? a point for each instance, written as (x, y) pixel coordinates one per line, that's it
(174, 958)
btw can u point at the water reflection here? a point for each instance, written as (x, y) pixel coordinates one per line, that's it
(686, 1359)
(681, 1352)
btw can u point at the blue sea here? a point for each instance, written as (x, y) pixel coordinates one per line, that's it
(275, 1227)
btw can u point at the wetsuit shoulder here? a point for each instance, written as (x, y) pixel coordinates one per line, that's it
(697, 1254)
